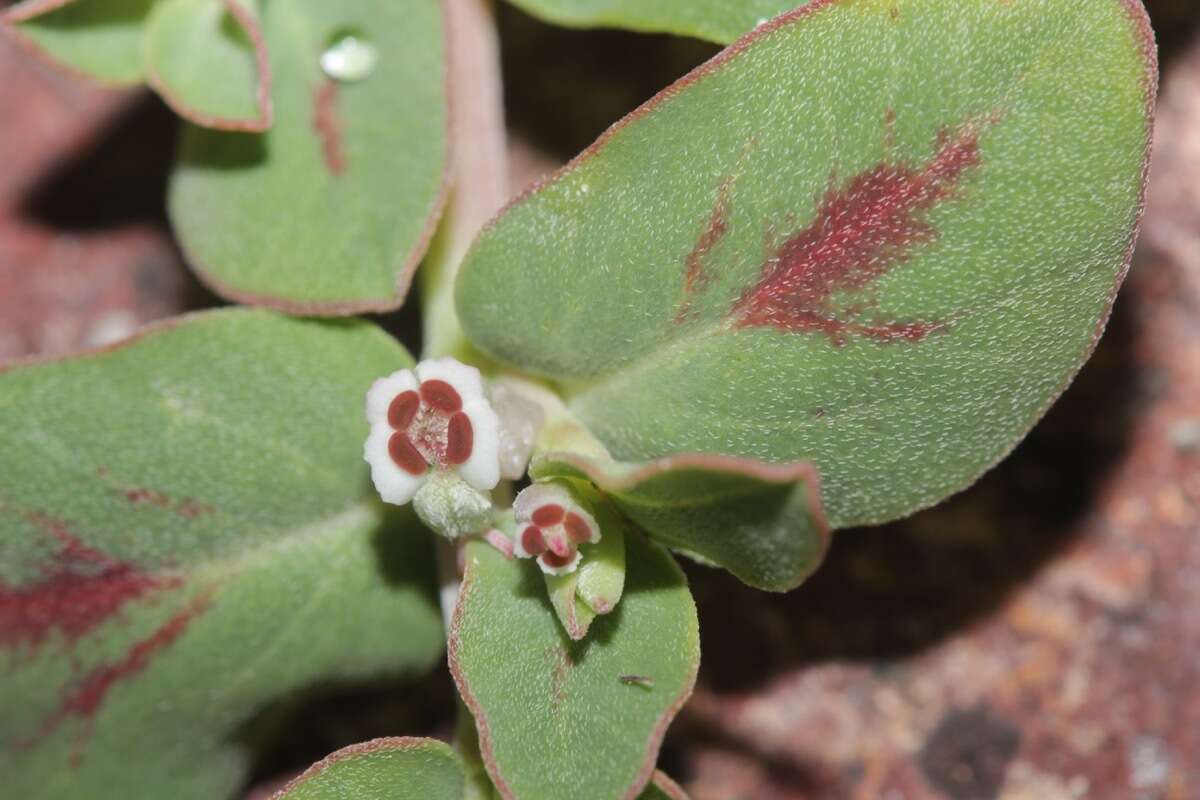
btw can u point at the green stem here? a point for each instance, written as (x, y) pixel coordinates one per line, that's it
(479, 154)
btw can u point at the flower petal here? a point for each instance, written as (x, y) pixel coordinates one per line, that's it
(466, 380)
(393, 484)
(384, 390)
(482, 467)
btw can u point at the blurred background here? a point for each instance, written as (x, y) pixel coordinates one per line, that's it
(1037, 636)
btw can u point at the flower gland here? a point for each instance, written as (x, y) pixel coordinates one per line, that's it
(550, 527)
(520, 421)
(433, 420)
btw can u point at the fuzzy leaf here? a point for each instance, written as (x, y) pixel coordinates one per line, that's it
(100, 38)
(331, 209)
(382, 769)
(879, 236)
(762, 522)
(208, 61)
(716, 20)
(554, 717)
(187, 531)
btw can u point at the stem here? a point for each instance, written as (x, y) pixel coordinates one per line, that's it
(448, 578)
(479, 160)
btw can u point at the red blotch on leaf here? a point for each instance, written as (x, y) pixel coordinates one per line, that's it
(187, 508)
(862, 230)
(695, 276)
(403, 409)
(88, 694)
(563, 663)
(80, 588)
(406, 455)
(441, 396)
(328, 126)
(460, 439)
(190, 509)
(548, 515)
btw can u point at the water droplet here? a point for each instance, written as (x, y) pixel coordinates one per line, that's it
(349, 58)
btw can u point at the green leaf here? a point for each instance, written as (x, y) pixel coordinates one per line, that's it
(382, 769)
(208, 61)
(554, 717)
(762, 522)
(716, 20)
(878, 236)
(206, 58)
(100, 38)
(188, 531)
(330, 211)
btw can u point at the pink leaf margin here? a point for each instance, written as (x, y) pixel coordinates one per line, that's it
(250, 25)
(31, 9)
(396, 743)
(1143, 35)
(616, 482)
(667, 786)
(455, 95)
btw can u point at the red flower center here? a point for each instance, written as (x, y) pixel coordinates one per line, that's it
(555, 533)
(431, 428)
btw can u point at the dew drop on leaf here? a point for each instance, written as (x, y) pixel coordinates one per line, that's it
(349, 58)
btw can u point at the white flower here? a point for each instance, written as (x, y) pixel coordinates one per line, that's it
(550, 526)
(434, 421)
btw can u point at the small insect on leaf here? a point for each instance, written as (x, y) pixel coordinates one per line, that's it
(643, 681)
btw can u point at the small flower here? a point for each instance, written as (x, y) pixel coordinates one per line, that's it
(435, 421)
(550, 527)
